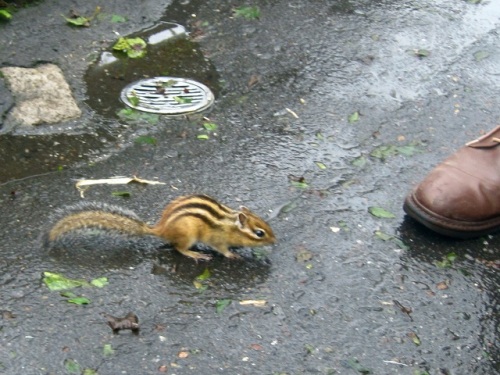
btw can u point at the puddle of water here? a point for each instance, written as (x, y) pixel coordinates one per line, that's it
(169, 53)
(23, 156)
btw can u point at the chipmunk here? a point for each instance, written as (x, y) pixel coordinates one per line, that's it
(185, 221)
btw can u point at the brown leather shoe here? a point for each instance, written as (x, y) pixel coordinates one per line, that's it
(461, 196)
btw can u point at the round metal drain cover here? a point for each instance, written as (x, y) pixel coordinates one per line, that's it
(167, 96)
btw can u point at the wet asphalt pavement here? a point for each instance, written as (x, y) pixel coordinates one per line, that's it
(343, 291)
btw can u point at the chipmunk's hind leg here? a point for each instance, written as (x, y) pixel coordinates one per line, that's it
(183, 247)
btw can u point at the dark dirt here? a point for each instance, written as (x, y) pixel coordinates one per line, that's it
(339, 298)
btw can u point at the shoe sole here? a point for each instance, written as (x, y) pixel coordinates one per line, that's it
(445, 226)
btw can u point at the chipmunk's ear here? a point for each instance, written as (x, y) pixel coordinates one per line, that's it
(244, 209)
(242, 220)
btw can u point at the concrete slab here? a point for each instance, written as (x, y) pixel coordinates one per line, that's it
(41, 94)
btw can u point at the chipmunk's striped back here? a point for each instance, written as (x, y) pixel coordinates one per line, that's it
(202, 207)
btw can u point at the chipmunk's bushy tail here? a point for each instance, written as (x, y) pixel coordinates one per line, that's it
(94, 225)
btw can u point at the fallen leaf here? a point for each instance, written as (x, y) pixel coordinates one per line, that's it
(292, 113)
(130, 321)
(221, 304)
(355, 365)
(100, 282)
(383, 236)
(108, 350)
(443, 285)
(72, 366)
(116, 18)
(254, 302)
(447, 261)
(254, 79)
(359, 162)
(248, 12)
(353, 117)
(413, 336)
(419, 52)
(132, 47)
(182, 100)
(380, 213)
(200, 286)
(80, 184)
(481, 55)
(56, 282)
(320, 165)
(204, 275)
(210, 126)
(303, 255)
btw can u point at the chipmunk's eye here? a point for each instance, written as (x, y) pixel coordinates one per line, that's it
(259, 233)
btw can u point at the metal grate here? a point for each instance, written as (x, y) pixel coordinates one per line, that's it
(167, 96)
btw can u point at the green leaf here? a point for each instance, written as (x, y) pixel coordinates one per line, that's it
(68, 294)
(134, 100)
(320, 136)
(108, 350)
(248, 12)
(130, 114)
(133, 47)
(73, 298)
(309, 348)
(481, 55)
(89, 371)
(72, 366)
(79, 301)
(100, 282)
(320, 165)
(387, 237)
(200, 286)
(182, 100)
(146, 140)
(381, 213)
(4, 13)
(400, 243)
(408, 150)
(204, 276)
(383, 236)
(300, 185)
(78, 21)
(353, 117)
(382, 152)
(355, 365)
(385, 151)
(210, 126)
(359, 162)
(55, 282)
(115, 18)
(414, 338)
(202, 136)
(447, 261)
(221, 304)
(421, 52)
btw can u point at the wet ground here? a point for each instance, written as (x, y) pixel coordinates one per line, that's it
(345, 292)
